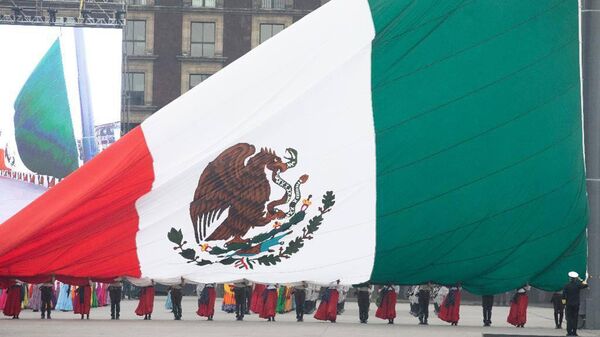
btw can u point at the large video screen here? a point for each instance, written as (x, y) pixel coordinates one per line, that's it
(60, 99)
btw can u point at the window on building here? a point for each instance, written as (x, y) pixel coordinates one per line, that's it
(203, 39)
(196, 79)
(136, 2)
(273, 4)
(135, 87)
(204, 3)
(268, 30)
(135, 37)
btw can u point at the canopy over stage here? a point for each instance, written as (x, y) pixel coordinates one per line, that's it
(420, 141)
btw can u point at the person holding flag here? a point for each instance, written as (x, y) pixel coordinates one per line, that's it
(269, 300)
(146, 303)
(450, 308)
(83, 299)
(206, 301)
(517, 315)
(387, 303)
(12, 307)
(327, 310)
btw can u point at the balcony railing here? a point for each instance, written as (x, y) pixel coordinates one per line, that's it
(204, 3)
(273, 4)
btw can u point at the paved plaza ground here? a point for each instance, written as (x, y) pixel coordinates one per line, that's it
(539, 323)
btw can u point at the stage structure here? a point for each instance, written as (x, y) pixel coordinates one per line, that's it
(66, 13)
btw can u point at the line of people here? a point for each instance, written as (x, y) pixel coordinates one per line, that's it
(263, 300)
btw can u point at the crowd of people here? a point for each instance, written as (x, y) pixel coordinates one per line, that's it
(267, 300)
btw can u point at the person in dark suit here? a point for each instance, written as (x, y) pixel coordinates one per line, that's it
(363, 295)
(115, 290)
(239, 292)
(559, 309)
(176, 296)
(487, 302)
(570, 298)
(46, 290)
(424, 296)
(299, 298)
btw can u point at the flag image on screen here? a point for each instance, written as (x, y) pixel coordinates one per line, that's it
(43, 126)
(60, 104)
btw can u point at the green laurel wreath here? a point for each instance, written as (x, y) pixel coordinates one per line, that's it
(176, 237)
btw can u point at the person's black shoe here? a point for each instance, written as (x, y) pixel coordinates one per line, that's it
(113, 317)
(43, 317)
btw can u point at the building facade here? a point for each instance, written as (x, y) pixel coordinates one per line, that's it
(173, 45)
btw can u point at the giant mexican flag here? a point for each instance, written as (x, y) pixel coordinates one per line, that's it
(386, 140)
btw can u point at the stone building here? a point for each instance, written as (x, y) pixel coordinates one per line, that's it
(172, 45)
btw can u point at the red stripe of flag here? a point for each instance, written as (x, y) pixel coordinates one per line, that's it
(85, 226)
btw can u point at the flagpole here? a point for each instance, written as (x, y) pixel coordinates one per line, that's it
(88, 139)
(590, 64)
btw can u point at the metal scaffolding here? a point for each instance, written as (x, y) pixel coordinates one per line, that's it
(70, 13)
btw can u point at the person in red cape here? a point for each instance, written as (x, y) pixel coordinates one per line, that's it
(269, 303)
(82, 300)
(146, 303)
(450, 308)
(256, 302)
(206, 302)
(327, 310)
(517, 315)
(12, 307)
(387, 304)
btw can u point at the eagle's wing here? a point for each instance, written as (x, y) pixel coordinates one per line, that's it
(217, 186)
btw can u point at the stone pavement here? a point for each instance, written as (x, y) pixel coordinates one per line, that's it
(540, 323)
